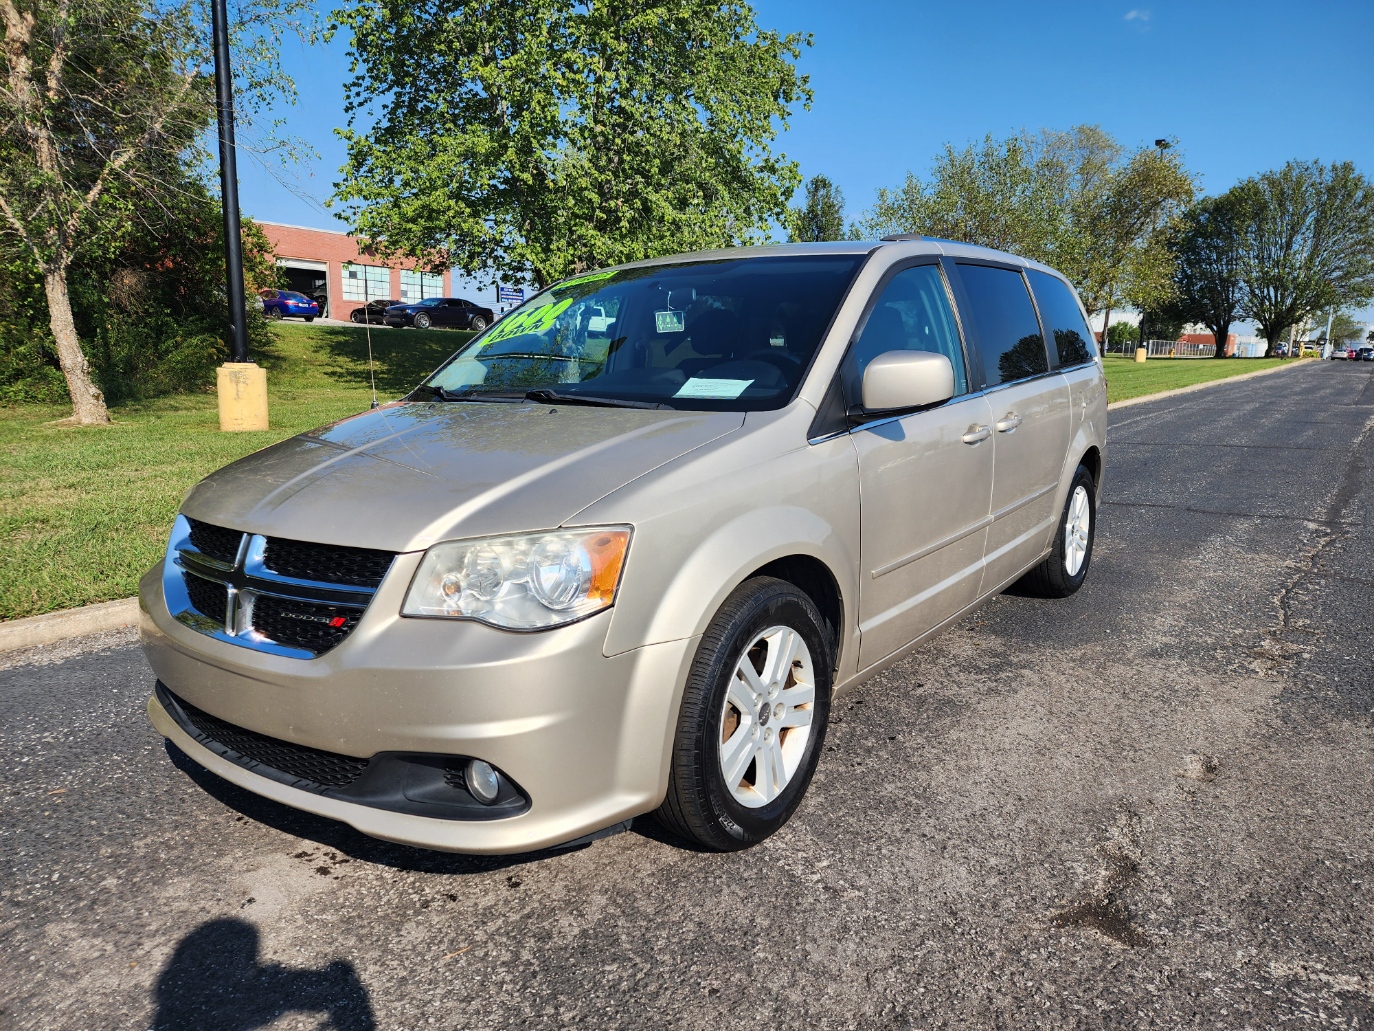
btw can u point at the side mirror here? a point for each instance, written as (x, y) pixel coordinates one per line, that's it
(907, 379)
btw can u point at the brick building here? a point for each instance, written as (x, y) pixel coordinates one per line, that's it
(330, 267)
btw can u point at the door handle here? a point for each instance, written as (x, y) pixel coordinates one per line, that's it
(976, 434)
(1008, 422)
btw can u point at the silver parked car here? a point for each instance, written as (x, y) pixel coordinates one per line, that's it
(618, 554)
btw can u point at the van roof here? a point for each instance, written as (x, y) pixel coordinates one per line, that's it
(911, 243)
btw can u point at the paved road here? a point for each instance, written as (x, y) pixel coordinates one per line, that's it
(1148, 806)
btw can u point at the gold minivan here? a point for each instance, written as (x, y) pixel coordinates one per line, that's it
(617, 555)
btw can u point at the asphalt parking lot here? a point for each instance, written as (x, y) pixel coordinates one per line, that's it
(1147, 806)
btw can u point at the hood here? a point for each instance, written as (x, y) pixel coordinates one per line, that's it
(408, 474)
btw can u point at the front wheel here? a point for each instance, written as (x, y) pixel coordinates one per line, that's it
(1066, 566)
(357, 316)
(753, 718)
(274, 313)
(422, 321)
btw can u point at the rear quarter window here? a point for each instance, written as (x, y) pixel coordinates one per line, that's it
(1006, 331)
(1073, 341)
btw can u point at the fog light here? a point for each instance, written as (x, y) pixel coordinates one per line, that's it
(482, 781)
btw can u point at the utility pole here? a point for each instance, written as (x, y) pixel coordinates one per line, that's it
(241, 384)
(1142, 350)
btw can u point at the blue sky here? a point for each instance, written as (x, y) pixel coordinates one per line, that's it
(1241, 86)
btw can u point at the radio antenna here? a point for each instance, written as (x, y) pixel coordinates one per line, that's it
(367, 321)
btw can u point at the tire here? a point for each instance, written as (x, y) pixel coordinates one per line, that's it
(758, 624)
(478, 324)
(1065, 568)
(356, 316)
(310, 318)
(274, 313)
(422, 321)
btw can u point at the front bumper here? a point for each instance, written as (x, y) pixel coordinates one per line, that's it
(586, 737)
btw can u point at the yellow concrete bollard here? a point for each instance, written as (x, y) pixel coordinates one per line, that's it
(1141, 354)
(242, 388)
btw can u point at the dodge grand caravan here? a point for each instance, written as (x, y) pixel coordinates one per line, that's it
(617, 555)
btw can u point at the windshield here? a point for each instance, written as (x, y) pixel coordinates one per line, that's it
(732, 335)
(428, 302)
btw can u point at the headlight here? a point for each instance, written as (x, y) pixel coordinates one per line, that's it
(529, 581)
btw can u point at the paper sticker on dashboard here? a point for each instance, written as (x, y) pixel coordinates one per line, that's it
(721, 389)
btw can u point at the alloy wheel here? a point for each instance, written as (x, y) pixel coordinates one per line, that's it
(766, 720)
(1077, 528)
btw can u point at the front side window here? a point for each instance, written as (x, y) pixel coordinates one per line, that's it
(1005, 329)
(912, 314)
(725, 335)
(1073, 341)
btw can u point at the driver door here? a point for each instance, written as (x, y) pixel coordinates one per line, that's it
(925, 478)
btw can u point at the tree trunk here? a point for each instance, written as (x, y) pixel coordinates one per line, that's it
(1220, 335)
(1106, 318)
(88, 403)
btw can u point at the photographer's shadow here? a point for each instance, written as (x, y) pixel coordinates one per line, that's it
(215, 982)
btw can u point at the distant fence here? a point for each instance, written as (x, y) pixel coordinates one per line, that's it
(1165, 349)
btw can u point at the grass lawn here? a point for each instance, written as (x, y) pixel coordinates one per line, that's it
(84, 512)
(1127, 379)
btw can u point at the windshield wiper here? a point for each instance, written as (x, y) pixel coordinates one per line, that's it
(546, 396)
(440, 394)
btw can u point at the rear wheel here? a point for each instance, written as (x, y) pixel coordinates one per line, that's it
(1066, 566)
(478, 323)
(753, 718)
(310, 318)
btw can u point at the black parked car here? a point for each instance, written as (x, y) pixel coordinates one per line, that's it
(450, 312)
(373, 311)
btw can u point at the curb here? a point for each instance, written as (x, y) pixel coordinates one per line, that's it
(18, 634)
(51, 627)
(1194, 387)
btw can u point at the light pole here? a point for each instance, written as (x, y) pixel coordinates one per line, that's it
(241, 384)
(1142, 350)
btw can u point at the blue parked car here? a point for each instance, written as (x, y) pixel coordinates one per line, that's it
(287, 304)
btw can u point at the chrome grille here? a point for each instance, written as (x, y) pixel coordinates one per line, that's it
(294, 598)
(208, 597)
(215, 541)
(302, 560)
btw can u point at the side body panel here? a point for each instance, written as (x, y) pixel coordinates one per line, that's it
(704, 523)
(926, 495)
(1031, 420)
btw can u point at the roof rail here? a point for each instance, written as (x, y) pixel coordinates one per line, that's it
(901, 237)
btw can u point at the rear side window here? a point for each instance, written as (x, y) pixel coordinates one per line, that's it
(1006, 332)
(912, 314)
(1063, 319)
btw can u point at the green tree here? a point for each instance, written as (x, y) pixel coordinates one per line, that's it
(1207, 264)
(821, 217)
(542, 138)
(1308, 244)
(103, 103)
(1077, 200)
(1344, 329)
(1122, 336)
